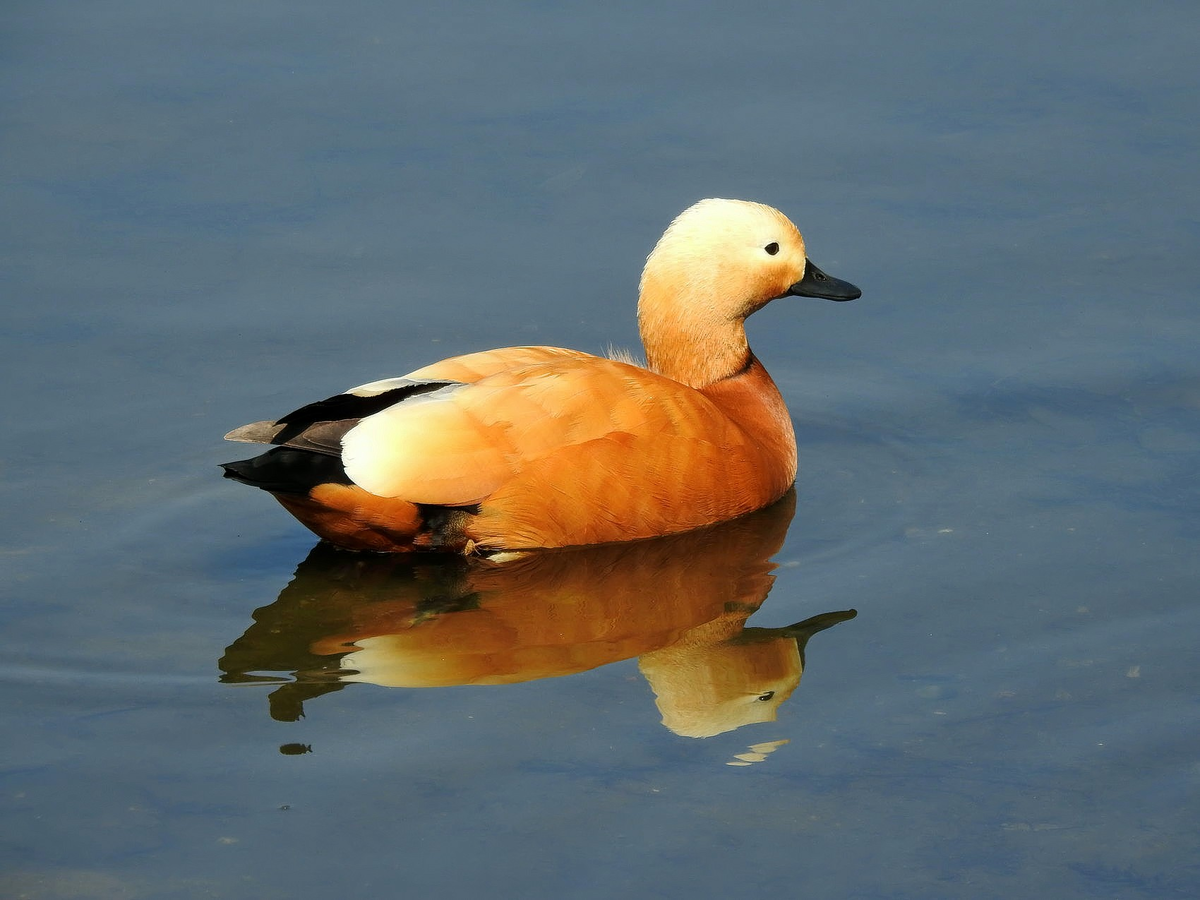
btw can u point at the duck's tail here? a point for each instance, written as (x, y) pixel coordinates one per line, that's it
(314, 488)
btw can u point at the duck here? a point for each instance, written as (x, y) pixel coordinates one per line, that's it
(528, 448)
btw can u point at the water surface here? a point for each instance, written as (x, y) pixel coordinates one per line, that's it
(215, 213)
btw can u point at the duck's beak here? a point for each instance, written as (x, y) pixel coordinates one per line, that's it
(816, 283)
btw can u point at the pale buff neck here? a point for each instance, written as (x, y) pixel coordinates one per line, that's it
(695, 342)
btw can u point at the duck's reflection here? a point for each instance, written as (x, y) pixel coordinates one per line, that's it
(679, 604)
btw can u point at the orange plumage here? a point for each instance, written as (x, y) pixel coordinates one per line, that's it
(530, 447)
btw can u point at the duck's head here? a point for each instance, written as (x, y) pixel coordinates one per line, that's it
(717, 263)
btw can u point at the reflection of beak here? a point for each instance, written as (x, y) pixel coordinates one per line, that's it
(802, 631)
(806, 629)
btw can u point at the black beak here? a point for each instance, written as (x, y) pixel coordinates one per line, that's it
(816, 283)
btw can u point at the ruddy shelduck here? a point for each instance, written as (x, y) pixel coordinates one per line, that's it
(537, 447)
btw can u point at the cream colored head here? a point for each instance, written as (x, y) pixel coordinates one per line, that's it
(703, 690)
(718, 262)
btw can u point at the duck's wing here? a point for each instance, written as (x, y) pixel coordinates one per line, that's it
(459, 444)
(320, 426)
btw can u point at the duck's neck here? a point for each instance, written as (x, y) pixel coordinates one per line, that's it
(690, 342)
(710, 353)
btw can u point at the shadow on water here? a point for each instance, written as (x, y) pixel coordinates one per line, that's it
(679, 604)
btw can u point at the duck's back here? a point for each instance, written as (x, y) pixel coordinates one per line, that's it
(541, 447)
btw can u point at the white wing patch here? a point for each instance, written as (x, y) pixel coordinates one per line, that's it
(426, 450)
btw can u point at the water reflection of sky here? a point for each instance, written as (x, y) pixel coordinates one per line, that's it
(212, 212)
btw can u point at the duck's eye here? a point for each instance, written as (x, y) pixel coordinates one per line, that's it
(767, 696)
(772, 248)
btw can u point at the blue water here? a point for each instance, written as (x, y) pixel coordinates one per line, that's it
(212, 214)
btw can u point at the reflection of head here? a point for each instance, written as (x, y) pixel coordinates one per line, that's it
(706, 689)
(720, 677)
